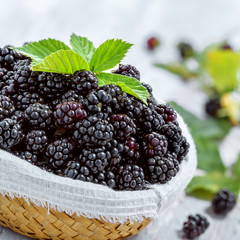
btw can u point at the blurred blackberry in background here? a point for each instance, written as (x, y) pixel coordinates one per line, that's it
(153, 43)
(226, 46)
(36, 141)
(128, 70)
(185, 50)
(7, 107)
(212, 106)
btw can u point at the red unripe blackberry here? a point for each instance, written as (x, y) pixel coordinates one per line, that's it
(7, 107)
(167, 112)
(155, 144)
(36, 141)
(128, 70)
(68, 113)
(152, 43)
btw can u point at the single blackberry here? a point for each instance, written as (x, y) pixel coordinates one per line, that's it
(5, 77)
(195, 226)
(10, 133)
(132, 151)
(130, 177)
(148, 87)
(224, 201)
(72, 96)
(8, 57)
(124, 127)
(96, 159)
(109, 178)
(24, 100)
(128, 70)
(167, 112)
(36, 141)
(212, 107)
(7, 107)
(93, 131)
(226, 46)
(38, 116)
(132, 107)
(162, 169)
(117, 150)
(10, 88)
(84, 82)
(28, 156)
(185, 50)
(68, 113)
(59, 153)
(155, 144)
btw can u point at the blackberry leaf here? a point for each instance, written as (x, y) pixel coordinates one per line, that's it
(82, 46)
(128, 84)
(109, 54)
(63, 62)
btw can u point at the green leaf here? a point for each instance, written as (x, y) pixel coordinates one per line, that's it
(82, 46)
(177, 69)
(63, 62)
(109, 54)
(223, 66)
(41, 49)
(128, 84)
(236, 168)
(207, 186)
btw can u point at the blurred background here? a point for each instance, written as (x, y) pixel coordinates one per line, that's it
(199, 22)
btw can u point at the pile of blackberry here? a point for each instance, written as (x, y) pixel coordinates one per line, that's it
(68, 125)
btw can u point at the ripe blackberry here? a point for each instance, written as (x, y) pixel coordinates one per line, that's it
(155, 144)
(130, 177)
(148, 87)
(28, 156)
(116, 149)
(124, 127)
(59, 153)
(72, 96)
(195, 226)
(212, 107)
(162, 169)
(224, 201)
(7, 107)
(5, 77)
(38, 116)
(107, 178)
(68, 113)
(96, 159)
(132, 107)
(18, 117)
(128, 70)
(93, 131)
(10, 133)
(8, 57)
(185, 50)
(132, 151)
(84, 82)
(167, 112)
(36, 141)
(24, 100)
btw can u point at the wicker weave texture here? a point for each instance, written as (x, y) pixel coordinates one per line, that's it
(36, 222)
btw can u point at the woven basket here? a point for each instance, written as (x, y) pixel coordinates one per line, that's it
(36, 222)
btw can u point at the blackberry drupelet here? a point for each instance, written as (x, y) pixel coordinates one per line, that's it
(7, 107)
(10, 133)
(155, 144)
(38, 116)
(36, 141)
(185, 50)
(84, 82)
(130, 177)
(93, 131)
(59, 153)
(128, 70)
(195, 226)
(68, 113)
(124, 127)
(224, 201)
(162, 169)
(132, 151)
(212, 107)
(167, 112)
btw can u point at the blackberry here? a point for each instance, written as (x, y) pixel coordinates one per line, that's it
(155, 144)
(109, 178)
(8, 57)
(24, 100)
(128, 70)
(72, 96)
(84, 82)
(132, 107)
(28, 156)
(226, 46)
(68, 113)
(5, 77)
(224, 201)
(124, 127)
(152, 43)
(116, 149)
(212, 107)
(59, 153)
(93, 131)
(38, 116)
(148, 87)
(130, 177)
(18, 117)
(195, 226)
(36, 141)
(96, 159)
(7, 107)
(167, 112)
(132, 151)
(162, 169)
(10, 133)
(185, 50)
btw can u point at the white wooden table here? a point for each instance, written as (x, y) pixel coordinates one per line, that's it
(201, 21)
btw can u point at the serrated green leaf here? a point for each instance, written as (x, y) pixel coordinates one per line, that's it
(236, 168)
(210, 184)
(41, 49)
(128, 84)
(63, 62)
(109, 54)
(82, 46)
